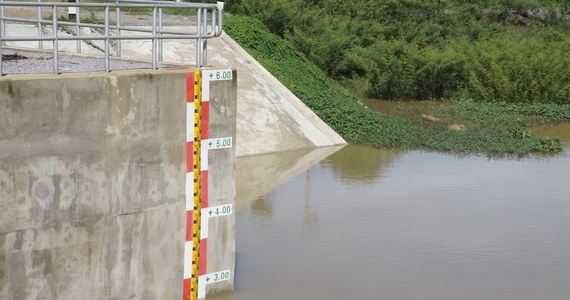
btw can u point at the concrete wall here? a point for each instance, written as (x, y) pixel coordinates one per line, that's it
(92, 179)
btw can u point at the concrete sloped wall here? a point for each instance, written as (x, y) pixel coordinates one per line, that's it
(92, 178)
(270, 116)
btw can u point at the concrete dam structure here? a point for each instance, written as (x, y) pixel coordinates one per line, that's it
(270, 117)
(122, 185)
(92, 185)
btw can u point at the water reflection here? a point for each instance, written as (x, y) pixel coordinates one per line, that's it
(257, 176)
(412, 108)
(262, 208)
(377, 224)
(310, 216)
(561, 131)
(360, 164)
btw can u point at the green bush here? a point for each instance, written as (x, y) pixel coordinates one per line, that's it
(355, 122)
(511, 50)
(525, 70)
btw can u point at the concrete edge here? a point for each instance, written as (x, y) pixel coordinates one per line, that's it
(130, 72)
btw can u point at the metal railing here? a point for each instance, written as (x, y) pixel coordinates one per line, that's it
(207, 24)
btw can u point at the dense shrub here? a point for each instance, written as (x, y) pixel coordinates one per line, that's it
(493, 132)
(512, 50)
(526, 70)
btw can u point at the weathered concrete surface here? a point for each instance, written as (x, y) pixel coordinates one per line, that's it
(92, 181)
(270, 118)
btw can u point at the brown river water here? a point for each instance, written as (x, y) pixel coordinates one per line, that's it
(368, 223)
(365, 223)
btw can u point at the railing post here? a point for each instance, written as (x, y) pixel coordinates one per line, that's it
(204, 43)
(154, 38)
(160, 54)
(55, 40)
(199, 39)
(2, 25)
(78, 28)
(1, 35)
(213, 23)
(40, 28)
(1, 72)
(204, 52)
(220, 22)
(107, 39)
(118, 28)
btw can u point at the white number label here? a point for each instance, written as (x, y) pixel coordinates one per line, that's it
(218, 276)
(220, 143)
(217, 211)
(219, 75)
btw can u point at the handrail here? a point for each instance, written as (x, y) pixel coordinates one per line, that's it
(208, 24)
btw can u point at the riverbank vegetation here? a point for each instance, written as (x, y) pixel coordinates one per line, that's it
(508, 57)
(484, 128)
(509, 50)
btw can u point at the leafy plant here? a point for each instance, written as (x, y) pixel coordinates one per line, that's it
(357, 123)
(511, 50)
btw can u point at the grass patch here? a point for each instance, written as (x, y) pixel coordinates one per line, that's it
(358, 124)
(507, 119)
(91, 18)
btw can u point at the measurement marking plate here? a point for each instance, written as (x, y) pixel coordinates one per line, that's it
(217, 75)
(217, 211)
(218, 143)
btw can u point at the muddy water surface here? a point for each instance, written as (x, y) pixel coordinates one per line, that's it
(561, 131)
(386, 224)
(405, 107)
